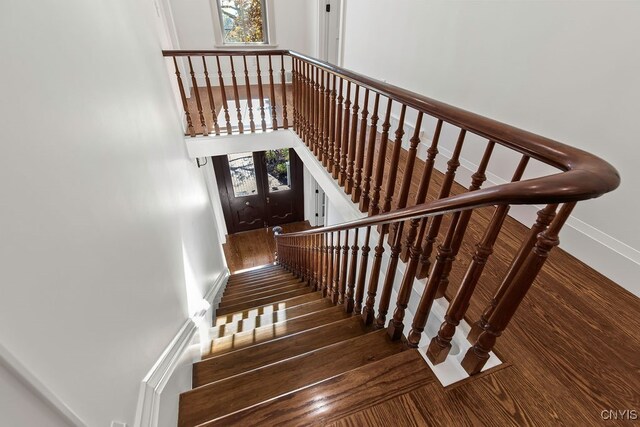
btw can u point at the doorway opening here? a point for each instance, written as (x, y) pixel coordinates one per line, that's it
(260, 189)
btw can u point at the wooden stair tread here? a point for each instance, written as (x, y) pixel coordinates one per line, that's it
(269, 319)
(236, 362)
(260, 286)
(277, 330)
(339, 396)
(243, 283)
(251, 296)
(239, 277)
(263, 301)
(279, 305)
(260, 268)
(250, 388)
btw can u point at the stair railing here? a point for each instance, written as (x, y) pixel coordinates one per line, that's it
(346, 120)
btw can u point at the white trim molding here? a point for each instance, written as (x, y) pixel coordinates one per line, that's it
(148, 409)
(25, 376)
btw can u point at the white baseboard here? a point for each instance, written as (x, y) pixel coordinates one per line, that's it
(154, 382)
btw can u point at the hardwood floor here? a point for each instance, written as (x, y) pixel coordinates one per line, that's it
(256, 247)
(572, 350)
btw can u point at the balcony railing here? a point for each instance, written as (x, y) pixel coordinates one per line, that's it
(336, 112)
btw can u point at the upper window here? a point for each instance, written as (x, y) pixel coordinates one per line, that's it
(243, 21)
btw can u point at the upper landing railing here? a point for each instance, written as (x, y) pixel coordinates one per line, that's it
(336, 112)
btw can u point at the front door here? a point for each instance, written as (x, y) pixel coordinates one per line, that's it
(260, 189)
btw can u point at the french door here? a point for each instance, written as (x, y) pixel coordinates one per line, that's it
(260, 189)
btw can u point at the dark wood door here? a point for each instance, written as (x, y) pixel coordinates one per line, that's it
(283, 186)
(260, 189)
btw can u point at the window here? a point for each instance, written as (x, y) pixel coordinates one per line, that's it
(243, 21)
(278, 170)
(243, 174)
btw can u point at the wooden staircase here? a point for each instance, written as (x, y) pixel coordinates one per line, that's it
(283, 354)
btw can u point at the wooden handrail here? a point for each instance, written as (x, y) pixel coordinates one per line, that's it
(325, 101)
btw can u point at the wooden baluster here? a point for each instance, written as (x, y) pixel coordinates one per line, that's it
(325, 122)
(309, 240)
(329, 282)
(315, 109)
(183, 97)
(396, 325)
(338, 135)
(351, 277)
(298, 249)
(305, 262)
(307, 105)
(429, 293)
(545, 216)
(263, 122)
(223, 93)
(406, 177)
(315, 267)
(303, 103)
(310, 108)
(318, 266)
(336, 271)
(423, 188)
(236, 96)
(325, 263)
(318, 117)
(274, 117)
(477, 179)
(362, 273)
(348, 184)
(320, 144)
(212, 104)
(310, 266)
(294, 92)
(343, 268)
(359, 157)
(285, 121)
(441, 344)
(332, 126)
(374, 208)
(344, 147)
(247, 85)
(434, 226)
(395, 160)
(476, 357)
(385, 295)
(368, 312)
(196, 93)
(368, 167)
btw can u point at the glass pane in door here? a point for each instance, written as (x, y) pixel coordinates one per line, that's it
(278, 170)
(243, 174)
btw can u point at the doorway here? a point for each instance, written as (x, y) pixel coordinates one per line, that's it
(260, 189)
(330, 21)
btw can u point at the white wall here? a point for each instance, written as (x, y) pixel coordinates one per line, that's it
(295, 24)
(99, 203)
(22, 407)
(562, 69)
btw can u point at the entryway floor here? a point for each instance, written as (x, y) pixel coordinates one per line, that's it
(256, 247)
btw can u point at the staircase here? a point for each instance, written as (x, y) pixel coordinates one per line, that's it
(281, 353)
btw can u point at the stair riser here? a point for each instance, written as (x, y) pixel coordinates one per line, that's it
(240, 291)
(268, 308)
(227, 301)
(261, 301)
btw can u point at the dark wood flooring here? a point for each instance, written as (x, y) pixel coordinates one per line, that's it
(256, 247)
(573, 348)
